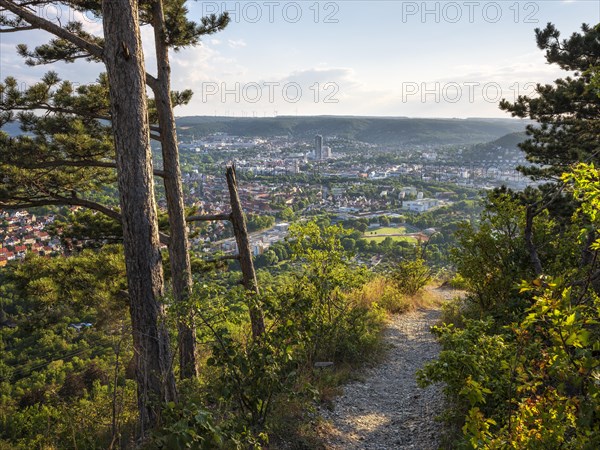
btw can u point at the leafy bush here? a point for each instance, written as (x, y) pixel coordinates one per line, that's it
(312, 313)
(411, 276)
(533, 386)
(188, 425)
(473, 365)
(457, 282)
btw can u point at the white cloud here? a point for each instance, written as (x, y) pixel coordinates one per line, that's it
(236, 43)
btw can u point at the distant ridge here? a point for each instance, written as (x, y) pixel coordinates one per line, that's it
(506, 146)
(387, 131)
(376, 130)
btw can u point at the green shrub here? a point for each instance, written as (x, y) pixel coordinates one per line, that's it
(411, 276)
(473, 365)
(457, 282)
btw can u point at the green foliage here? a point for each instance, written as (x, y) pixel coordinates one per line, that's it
(287, 214)
(258, 222)
(331, 320)
(58, 161)
(57, 382)
(189, 426)
(473, 365)
(253, 373)
(89, 283)
(312, 314)
(457, 282)
(492, 258)
(88, 228)
(268, 258)
(567, 111)
(532, 386)
(411, 276)
(528, 379)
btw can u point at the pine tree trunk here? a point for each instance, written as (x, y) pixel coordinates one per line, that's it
(125, 67)
(181, 271)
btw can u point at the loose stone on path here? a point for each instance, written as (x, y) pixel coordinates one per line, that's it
(388, 410)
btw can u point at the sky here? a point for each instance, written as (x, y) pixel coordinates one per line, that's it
(352, 57)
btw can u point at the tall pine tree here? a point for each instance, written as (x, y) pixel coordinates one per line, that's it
(121, 53)
(172, 30)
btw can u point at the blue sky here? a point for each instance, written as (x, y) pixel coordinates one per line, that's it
(356, 57)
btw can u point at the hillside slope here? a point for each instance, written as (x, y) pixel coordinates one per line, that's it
(375, 130)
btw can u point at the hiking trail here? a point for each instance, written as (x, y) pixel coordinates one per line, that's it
(387, 410)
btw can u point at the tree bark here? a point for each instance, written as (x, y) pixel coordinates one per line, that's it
(125, 67)
(245, 255)
(181, 270)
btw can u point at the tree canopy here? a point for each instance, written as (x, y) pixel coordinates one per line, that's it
(566, 112)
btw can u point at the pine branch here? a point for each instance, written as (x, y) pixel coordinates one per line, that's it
(76, 112)
(72, 201)
(61, 201)
(81, 163)
(55, 109)
(13, 30)
(38, 22)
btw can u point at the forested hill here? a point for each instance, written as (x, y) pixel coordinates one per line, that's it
(507, 146)
(376, 130)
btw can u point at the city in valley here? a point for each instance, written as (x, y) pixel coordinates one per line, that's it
(313, 173)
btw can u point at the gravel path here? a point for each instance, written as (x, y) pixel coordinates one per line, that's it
(388, 410)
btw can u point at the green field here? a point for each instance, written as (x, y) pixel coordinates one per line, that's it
(386, 230)
(379, 239)
(379, 235)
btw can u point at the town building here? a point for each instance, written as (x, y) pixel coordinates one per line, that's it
(421, 205)
(318, 147)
